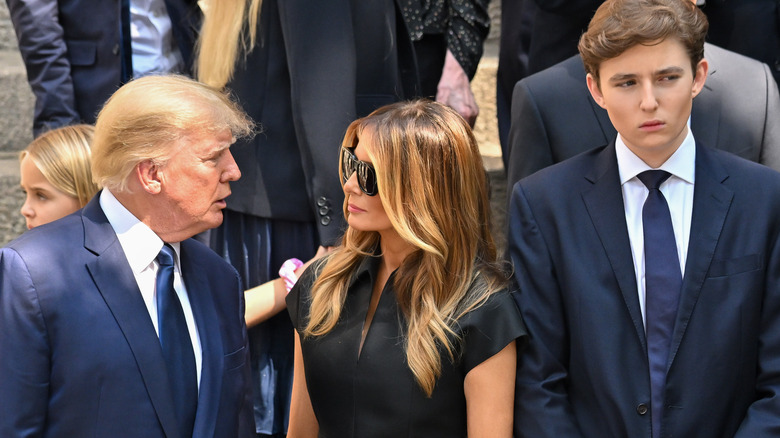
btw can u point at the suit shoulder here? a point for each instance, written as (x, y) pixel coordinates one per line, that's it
(63, 235)
(746, 173)
(556, 80)
(562, 176)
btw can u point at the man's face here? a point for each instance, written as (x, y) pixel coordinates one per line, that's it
(648, 92)
(195, 183)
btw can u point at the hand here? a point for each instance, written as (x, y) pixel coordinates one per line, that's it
(454, 90)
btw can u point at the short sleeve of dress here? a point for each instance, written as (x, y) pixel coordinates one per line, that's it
(489, 328)
(299, 299)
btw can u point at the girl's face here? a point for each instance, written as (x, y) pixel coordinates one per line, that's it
(44, 203)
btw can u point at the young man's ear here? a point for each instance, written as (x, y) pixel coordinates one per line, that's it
(149, 176)
(700, 77)
(595, 91)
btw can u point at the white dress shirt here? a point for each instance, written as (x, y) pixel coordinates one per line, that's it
(141, 246)
(678, 191)
(151, 33)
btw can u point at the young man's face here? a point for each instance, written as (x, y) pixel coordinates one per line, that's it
(647, 92)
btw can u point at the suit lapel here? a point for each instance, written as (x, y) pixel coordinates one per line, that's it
(114, 279)
(203, 310)
(604, 202)
(711, 203)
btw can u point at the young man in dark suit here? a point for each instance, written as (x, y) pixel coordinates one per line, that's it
(648, 269)
(554, 116)
(114, 322)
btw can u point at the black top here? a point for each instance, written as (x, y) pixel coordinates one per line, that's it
(464, 23)
(375, 394)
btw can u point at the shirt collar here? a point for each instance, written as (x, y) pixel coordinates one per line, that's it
(139, 243)
(681, 164)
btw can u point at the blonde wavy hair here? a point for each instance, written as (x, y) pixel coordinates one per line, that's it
(228, 34)
(433, 187)
(63, 157)
(146, 118)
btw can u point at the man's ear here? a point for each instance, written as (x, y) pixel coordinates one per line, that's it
(149, 176)
(700, 77)
(595, 91)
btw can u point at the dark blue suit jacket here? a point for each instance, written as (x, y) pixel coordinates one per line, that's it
(79, 356)
(75, 52)
(585, 371)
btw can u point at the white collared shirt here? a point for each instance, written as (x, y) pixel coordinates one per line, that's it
(678, 191)
(141, 246)
(151, 33)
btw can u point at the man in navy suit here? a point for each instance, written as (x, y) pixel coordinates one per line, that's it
(82, 346)
(78, 52)
(613, 351)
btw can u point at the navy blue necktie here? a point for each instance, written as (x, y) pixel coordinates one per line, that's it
(176, 345)
(663, 281)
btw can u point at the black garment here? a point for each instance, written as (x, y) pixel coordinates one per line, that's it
(317, 66)
(431, 51)
(375, 394)
(465, 23)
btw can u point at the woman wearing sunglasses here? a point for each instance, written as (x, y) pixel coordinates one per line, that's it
(407, 329)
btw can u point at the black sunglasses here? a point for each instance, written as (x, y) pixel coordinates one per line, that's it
(366, 175)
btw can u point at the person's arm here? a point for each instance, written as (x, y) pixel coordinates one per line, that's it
(24, 352)
(264, 301)
(529, 146)
(42, 44)
(267, 299)
(454, 90)
(770, 146)
(303, 422)
(542, 408)
(489, 390)
(465, 35)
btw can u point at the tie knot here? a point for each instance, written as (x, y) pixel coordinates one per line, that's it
(165, 257)
(652, 179)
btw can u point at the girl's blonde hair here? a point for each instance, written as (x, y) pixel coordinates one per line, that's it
(63, 156)
(433, 187)
(228, 34)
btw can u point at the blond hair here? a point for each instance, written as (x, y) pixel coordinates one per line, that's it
(228, 34)
(63, 157)
(145, 118)
(433, 187)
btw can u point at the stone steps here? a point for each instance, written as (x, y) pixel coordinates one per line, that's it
(16, 103)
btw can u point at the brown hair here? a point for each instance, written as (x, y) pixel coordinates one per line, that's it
(433, 187)
(619, 25)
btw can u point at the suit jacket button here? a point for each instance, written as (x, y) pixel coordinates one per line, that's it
(324, 210)
(325, 220)
(322, 201)
(115, 49)
(641, 409)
